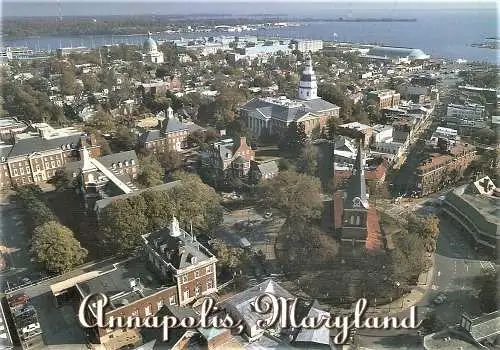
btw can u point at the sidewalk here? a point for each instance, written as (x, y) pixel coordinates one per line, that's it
(410, 299)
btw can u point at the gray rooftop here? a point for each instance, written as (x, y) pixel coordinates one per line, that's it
(177, 250)
(482, 209)
(320, 335)
(268, 168)
(25, 146)
(116, 283)
(265, 108)
(243, 301)
(485, 326)
(103, 203)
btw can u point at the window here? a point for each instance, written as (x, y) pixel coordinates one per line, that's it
(209, 269)
(352, 220)
(147, 310)
(196, 274)
(15, 172)
(37, 167)
(209, 284)
(184, 279)
(22, 171)
(27, 170)
(159, 304)
(358, 220)
(171, 300)
(52, 163)
(197, 291)
(186, 294)
(58, 162)
(135, 313)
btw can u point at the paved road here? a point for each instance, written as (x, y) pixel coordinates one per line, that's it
(456, 266)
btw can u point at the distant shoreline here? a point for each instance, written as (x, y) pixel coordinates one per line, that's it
(341, 19)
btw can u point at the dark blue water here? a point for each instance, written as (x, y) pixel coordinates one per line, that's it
(446, 34)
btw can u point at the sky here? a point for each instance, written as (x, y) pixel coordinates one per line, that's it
(290, 8)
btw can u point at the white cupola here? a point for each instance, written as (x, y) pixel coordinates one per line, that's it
(175, 230)
(308, 87)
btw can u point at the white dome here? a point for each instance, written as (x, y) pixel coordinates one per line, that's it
(149, 44)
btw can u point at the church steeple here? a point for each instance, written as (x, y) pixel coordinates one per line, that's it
(308, 88)
(356, 196)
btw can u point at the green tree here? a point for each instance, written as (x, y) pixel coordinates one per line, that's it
(55, 246)
(228, 257)
(196, 202)
(67, 83)
(331, 128)
(151, 173)
(284, 164)
(91, 83)
(308, 161)
(426, 227)
(123, 222)
(488, 292)
(408, 258)
(102, 121)
(294, 138)
(124, 139)
(62, 179)
(295, 196)
(305, 246)
(170, 161)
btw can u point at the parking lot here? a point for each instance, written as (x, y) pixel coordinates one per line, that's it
(15, 242)
(259, 229)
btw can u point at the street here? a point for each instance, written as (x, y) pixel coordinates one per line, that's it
(455, 268)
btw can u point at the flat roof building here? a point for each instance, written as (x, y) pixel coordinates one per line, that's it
(475, 208)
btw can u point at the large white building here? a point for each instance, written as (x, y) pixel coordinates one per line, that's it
(270, 116)
(461, 114)
(305, 46)
(150, 51)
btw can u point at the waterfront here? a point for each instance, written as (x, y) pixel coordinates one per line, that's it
(446, 34)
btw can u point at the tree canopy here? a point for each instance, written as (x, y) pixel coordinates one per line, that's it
(152, 173)
(124, 220)
(308, 161)
(295, 196)
(425, 227)
(55, 247)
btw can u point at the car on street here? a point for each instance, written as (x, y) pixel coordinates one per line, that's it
(268, 215)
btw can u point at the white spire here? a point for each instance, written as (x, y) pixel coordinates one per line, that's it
(87, 164)
(170, 112)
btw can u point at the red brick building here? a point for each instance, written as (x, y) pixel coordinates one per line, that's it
(229, 158)
(35, 159)
(175, 269)
(439, 168)
(171, 136)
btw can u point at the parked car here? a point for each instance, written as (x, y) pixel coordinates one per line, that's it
(18, 300)
(268, 215)
(245, 243)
